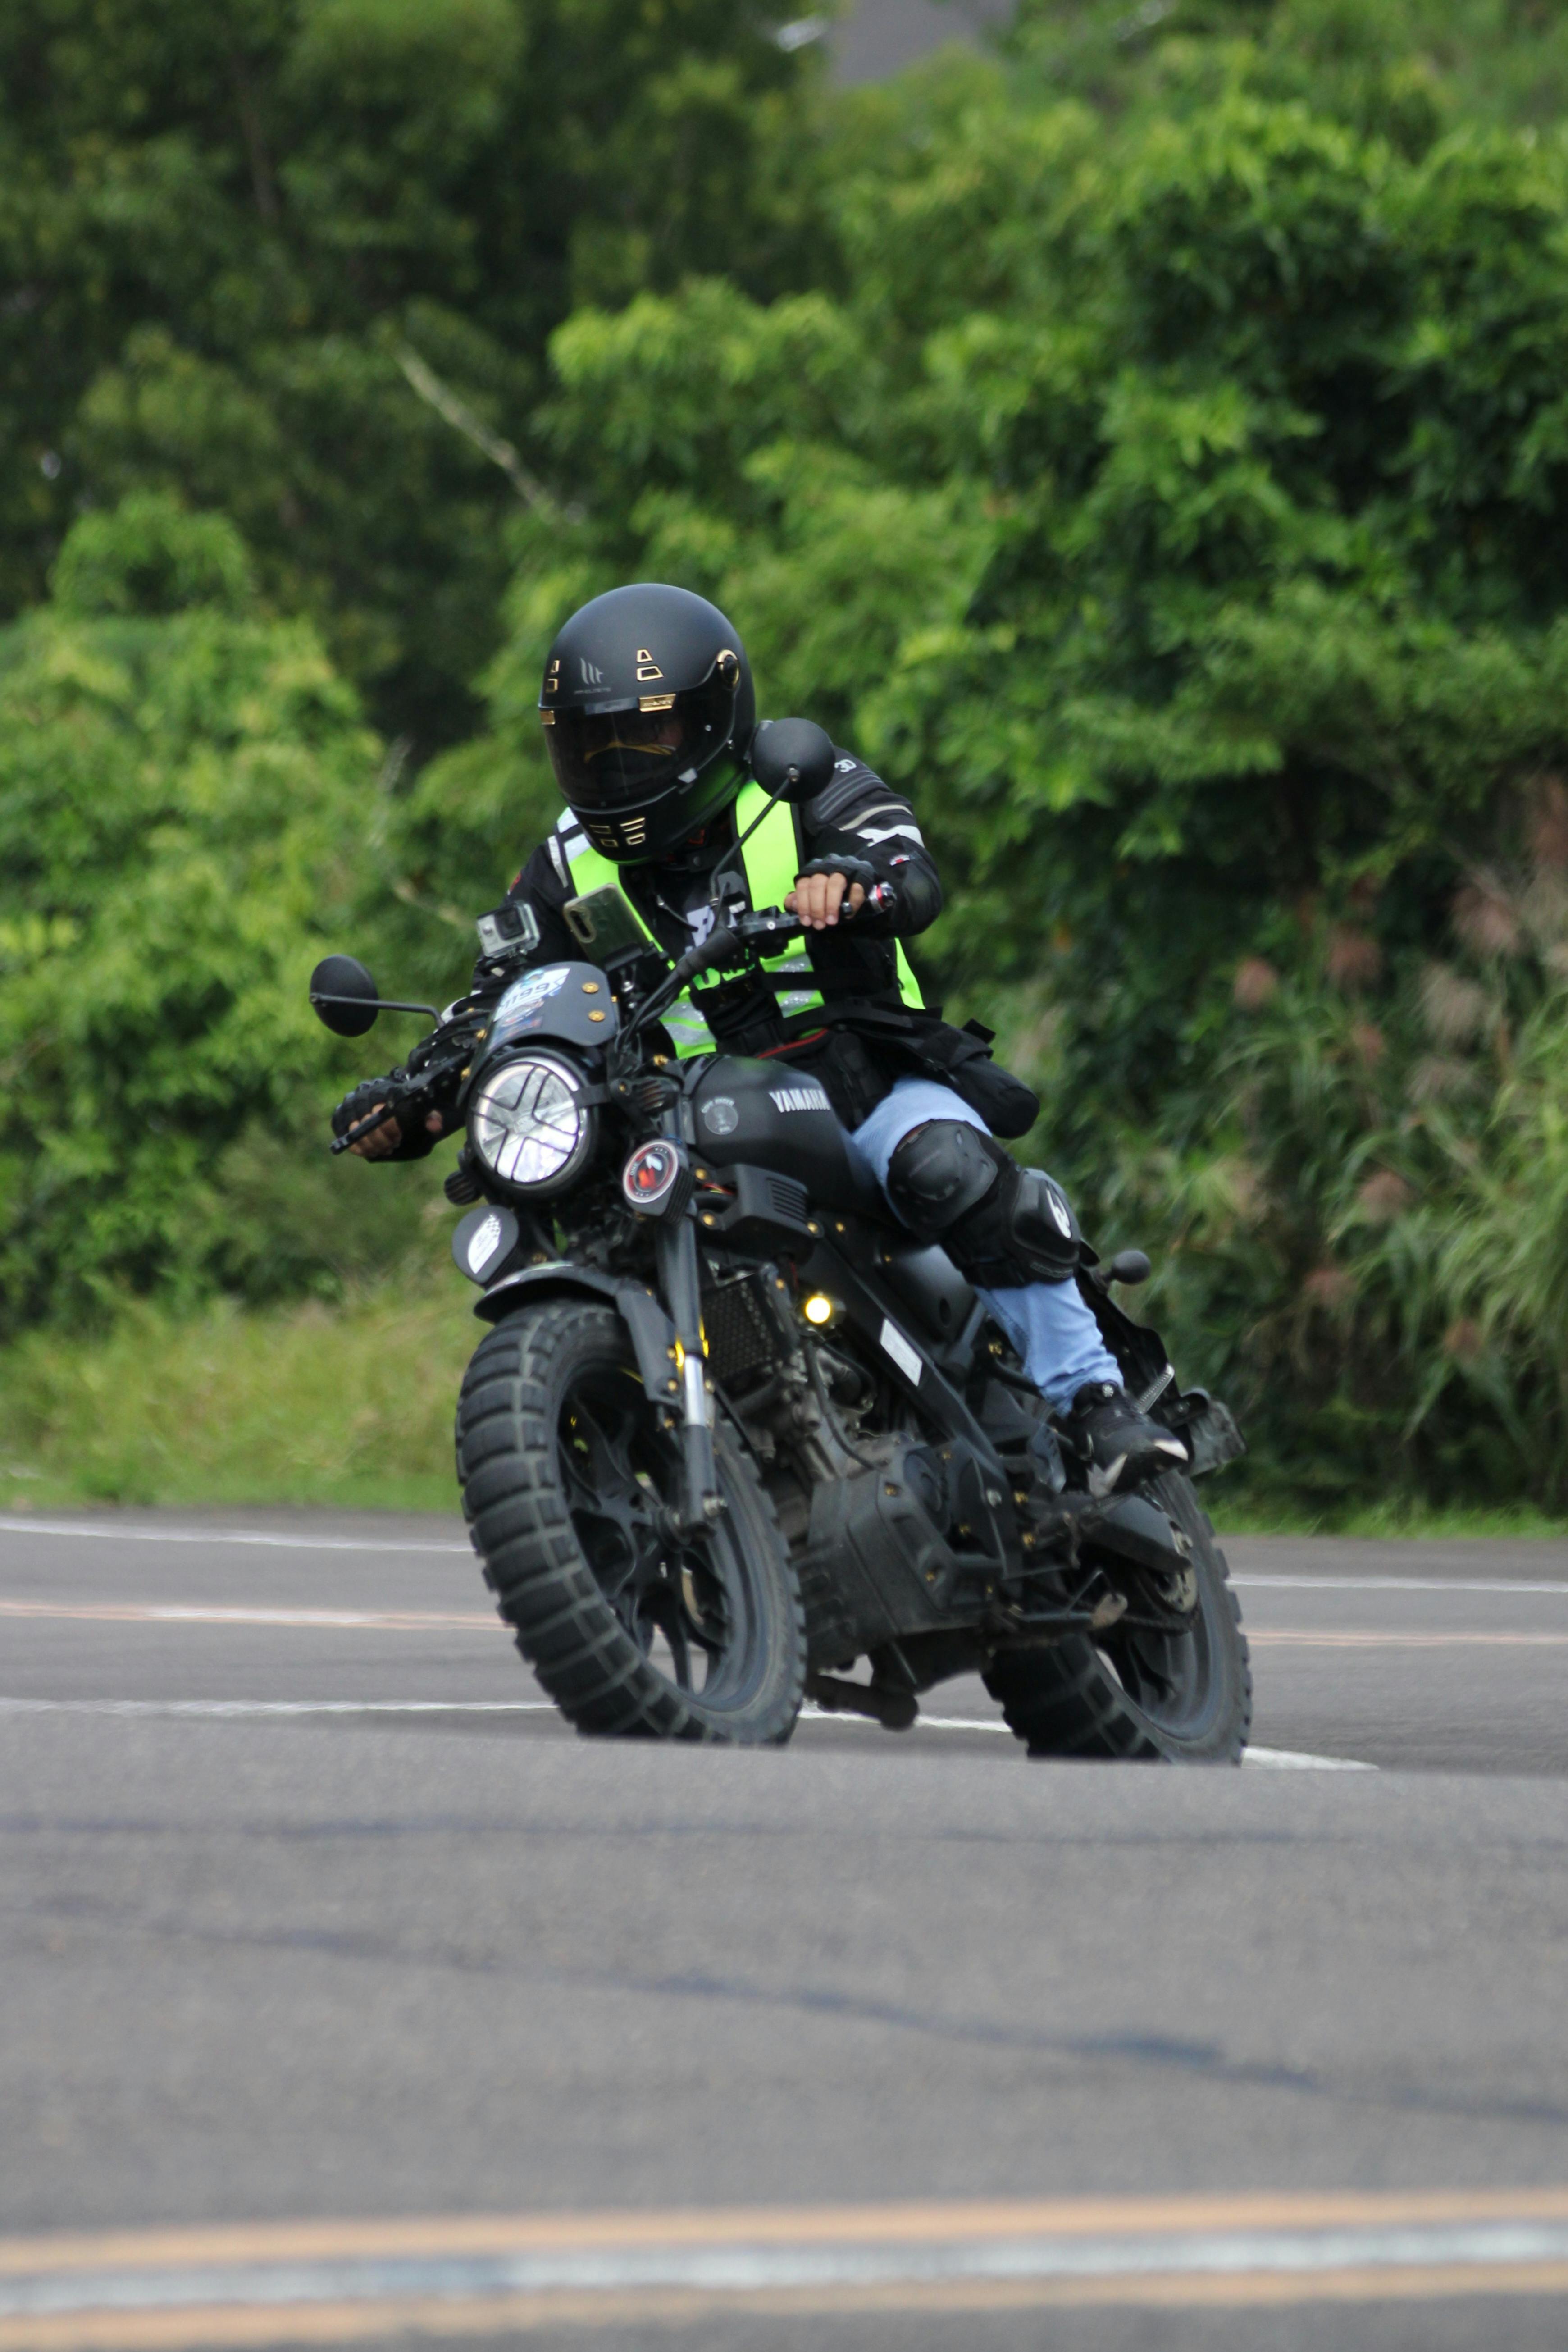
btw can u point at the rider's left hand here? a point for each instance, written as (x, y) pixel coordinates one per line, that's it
(817, 898)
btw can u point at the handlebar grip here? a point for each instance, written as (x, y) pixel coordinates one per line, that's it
(710, 954)
(687, 967)
(394, 1106)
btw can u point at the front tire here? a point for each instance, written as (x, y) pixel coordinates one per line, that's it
(567, 1477)
(1141, 1698)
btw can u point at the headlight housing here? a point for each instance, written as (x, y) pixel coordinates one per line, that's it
(527, 1126)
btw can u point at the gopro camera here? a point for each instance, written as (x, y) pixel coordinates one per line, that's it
(509, 931)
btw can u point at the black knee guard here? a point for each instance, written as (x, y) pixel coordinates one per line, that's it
(939, 1173)
(1000, 1223)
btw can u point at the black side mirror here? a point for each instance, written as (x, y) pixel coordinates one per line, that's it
(344, 996)
(792, 758)
(1129, 1266)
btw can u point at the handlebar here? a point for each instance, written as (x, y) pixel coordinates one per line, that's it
(727, 941)
(395, 1103)
(726, 944)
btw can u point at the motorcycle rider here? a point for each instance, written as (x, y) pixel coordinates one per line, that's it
(648, 713)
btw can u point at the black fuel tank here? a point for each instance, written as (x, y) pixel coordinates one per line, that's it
(764, 1117)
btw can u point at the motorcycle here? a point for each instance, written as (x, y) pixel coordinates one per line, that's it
(733, 1429)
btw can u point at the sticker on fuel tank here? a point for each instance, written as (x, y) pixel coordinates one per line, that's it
(799, 1098)
(720, 1116)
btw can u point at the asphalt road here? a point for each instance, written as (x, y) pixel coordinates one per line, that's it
(310, 1912)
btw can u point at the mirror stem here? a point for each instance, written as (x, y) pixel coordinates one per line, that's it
(381, 1005)
(791, 776)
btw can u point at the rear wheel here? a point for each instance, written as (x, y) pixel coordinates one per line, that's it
(1184, 1697)
(568, 1484)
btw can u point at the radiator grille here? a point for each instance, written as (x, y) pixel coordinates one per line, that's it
(739, 1330)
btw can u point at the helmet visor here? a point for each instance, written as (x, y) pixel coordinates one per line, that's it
(612, 760)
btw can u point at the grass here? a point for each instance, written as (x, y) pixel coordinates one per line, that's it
(353, 1405)
(1399, 1518)
(348, 1405)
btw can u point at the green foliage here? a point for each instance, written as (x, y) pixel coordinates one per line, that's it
(150, 556)
(1149, 453)
(221, 229)
(1405, 68)
(293, 1405)
(1368, 1218)
(1163, 496)
(184, 798)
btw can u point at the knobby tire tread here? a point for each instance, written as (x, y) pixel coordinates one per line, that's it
(522, 1530)
(1062, 1701)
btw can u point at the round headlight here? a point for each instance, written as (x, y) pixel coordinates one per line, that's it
(528, 1127)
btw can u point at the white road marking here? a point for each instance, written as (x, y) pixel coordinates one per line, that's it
(812, 1713)
(232, 1706)
(1289, 1760)
(23, 1525)
(1302, 1637)
(1281, 1759)
(205, 1613)
(1392, 1584)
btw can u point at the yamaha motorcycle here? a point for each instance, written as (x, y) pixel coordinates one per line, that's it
(733, 1431)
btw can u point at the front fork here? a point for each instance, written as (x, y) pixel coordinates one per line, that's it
(680, 1285)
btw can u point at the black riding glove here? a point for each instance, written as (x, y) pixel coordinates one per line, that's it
(853, 869)
(408, 1109)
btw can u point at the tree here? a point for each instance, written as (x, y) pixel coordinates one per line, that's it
(184, 787)
(226, 232)
(1166, 500)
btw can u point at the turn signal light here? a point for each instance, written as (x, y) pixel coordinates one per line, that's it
(818, 1308)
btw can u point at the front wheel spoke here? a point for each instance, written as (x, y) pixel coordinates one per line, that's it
(616, 1433)
(659, 1614)
(586, 1495)
(674, 1631)
(620, 1484)
(606, 1440)
(703, 1602)
(1141, 1672)
(712, 1644)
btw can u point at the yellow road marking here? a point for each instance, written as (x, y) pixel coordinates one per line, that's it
(917, 2222)
(1217, 2272)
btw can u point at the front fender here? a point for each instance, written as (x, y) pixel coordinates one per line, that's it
(653, 1333)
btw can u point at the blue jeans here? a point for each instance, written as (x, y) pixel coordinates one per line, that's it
(1049, 1323)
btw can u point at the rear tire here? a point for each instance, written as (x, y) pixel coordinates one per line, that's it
(633, 1631)
(1183, 1698)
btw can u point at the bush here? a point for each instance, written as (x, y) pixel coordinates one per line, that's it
(185, 795)
(1166, 500)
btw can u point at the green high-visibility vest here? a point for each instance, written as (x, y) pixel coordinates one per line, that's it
(771, 860)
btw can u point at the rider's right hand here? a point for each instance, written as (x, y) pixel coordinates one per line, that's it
(819, 894)
(381, 1140)
(384, 1141)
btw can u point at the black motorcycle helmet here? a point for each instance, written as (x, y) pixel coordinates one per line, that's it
(649, 712)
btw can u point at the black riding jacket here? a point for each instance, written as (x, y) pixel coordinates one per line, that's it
(863, 1038)
(857, 818)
